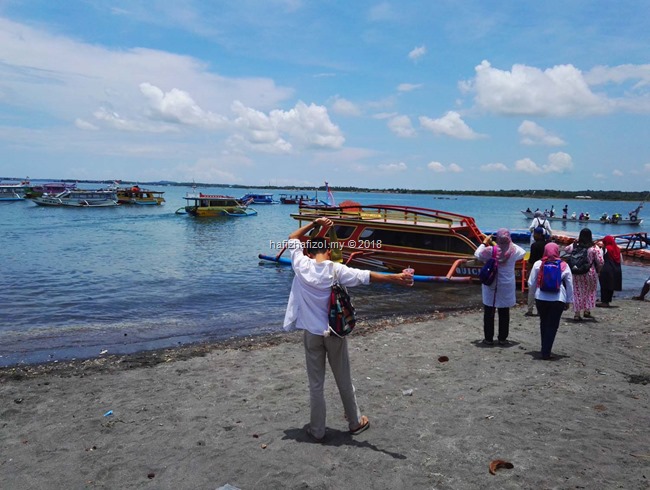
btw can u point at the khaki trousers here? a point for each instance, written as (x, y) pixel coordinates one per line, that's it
(335, 349)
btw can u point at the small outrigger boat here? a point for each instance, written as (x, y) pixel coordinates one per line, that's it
(136, 195)
(258, 199)
(79, 198)
(439, 245)
(215, 205)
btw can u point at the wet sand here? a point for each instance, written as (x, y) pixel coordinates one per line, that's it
(205, 416)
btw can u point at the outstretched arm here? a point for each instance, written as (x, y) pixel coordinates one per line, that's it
(401, 278)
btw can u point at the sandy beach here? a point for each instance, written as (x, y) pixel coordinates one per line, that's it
(206, 416)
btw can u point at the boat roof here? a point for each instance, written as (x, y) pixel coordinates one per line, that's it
(209, 196)
(390, 214)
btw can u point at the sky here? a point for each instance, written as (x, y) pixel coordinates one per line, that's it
(444, 94)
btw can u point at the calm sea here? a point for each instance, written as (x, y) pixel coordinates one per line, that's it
(76, 282)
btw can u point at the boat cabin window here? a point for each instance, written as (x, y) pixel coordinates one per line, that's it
(343, 231)
(427, 241)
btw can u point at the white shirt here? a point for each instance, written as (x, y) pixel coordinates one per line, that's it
(565, 294)
(502, 292)
(540, 221)
(308, 304)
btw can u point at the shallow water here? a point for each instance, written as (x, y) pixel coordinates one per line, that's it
(77, 282)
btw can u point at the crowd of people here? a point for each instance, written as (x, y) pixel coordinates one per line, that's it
(554, 286)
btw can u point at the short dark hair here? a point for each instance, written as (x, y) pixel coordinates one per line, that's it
(317, 245)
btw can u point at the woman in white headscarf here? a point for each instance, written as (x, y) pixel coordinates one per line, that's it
(500, 295)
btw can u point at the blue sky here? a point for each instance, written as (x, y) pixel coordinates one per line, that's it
(411, 94)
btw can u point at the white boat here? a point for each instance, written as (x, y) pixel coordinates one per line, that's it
(632, 219)
(13, 192)
(79, 198)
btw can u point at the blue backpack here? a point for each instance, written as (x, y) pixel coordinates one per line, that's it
(489, 271)
(550, 276)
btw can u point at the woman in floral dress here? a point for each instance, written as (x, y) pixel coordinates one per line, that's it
(585, 286)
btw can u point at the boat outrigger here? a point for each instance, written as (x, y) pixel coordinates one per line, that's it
(79, 198)
(439, 245)
(584, 218)
(215, 205)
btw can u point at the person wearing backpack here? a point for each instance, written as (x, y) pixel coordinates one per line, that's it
(540, 219)
(552, 294)
(307, 310)
(500, 294)
(585, 260)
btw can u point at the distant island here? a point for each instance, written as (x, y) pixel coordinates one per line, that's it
(525, 193)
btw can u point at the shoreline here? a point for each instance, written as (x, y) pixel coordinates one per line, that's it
(442, 408)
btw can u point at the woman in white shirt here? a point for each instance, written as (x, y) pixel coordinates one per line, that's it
(550, 305)
(500, 295)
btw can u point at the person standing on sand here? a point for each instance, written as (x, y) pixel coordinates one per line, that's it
(307, 310)
(585, 286)
(536, 253)
(611, 275)
(550, 305)
(500, 295)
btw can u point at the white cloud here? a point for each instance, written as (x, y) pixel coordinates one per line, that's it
(559, 162)
(525, 90)
(440, 168)
(393, 167)
(646, 167)
(85, 125)
(401, 126)
(380, 12)
(533, 134)
(176, 106)
(408, 87)
(527, 165)
(494, 167)
(416, 53)
(281, 131)
(451, 124)
(617, 173)
(344, 107)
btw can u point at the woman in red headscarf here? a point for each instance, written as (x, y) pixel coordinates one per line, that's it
(551, 304)
(611, 275)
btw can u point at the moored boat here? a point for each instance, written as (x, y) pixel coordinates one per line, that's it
(439, 245)
(79, 198)
(252, 198)
(215, 205)
(139, 196)
(51, 188)
(13, 191)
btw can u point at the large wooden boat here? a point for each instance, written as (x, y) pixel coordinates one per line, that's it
(139, 196)
(79, 198)
(439, 245)
(215, 205)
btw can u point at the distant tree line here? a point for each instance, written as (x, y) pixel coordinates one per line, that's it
(527, 193)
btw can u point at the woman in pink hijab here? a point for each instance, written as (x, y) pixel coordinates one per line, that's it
(551, 304)
(500, 295)
(611, 275)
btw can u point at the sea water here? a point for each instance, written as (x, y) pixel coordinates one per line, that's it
(77, 282)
